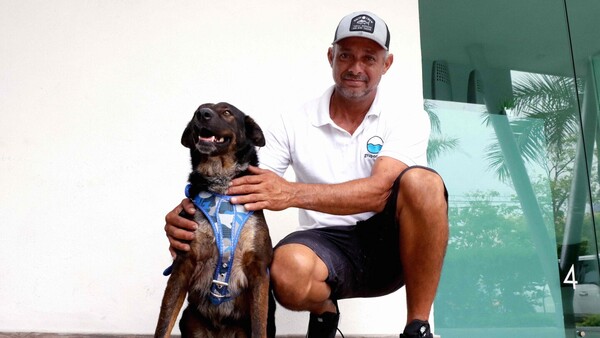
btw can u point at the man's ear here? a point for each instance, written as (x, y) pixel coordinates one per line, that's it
(330, 56)
(388, 62)
(253, 132)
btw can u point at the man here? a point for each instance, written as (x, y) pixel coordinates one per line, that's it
(372, 219)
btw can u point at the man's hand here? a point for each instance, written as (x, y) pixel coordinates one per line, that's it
(262, 190)
(179, 229)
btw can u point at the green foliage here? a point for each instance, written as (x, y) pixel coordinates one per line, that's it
(593, 320)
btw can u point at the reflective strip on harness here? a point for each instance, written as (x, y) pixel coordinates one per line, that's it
(227, 221)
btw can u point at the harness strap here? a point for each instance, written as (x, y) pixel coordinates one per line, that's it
(227, 221)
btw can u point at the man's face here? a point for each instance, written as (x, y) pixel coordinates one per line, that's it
(358, 65)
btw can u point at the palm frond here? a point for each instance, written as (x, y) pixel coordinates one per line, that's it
(440, 144)
(530, 141)
(436, 126)
(552, 101)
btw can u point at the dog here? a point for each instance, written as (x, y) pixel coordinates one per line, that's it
(228, 286)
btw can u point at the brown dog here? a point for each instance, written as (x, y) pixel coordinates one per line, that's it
(228, 284)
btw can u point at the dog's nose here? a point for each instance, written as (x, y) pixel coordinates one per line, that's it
(206, 113)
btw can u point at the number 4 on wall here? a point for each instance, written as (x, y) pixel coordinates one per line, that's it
(570, 279)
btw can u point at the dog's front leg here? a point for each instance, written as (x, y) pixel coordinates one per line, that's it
(175, 293)
(260, 305)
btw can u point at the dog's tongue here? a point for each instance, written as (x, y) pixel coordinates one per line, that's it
(207, 139)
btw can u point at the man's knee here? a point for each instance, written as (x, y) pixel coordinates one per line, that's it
(290, 276)
(421, 184)
(422, 203)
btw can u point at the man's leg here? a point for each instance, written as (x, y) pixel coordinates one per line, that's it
(298, 276)
(422, 211)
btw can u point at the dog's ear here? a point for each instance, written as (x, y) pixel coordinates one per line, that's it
(187, 139)
(253, 132)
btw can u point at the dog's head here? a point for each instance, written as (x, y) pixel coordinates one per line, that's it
(222, 143)
(221, 128)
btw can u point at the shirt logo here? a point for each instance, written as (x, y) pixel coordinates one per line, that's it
(374, 145)
(362, 23)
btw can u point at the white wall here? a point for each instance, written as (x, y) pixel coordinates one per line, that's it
(94, 96)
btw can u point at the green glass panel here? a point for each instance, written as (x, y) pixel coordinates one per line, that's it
(496, 282)
(513, 91)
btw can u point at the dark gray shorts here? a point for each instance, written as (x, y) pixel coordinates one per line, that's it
(364, 259)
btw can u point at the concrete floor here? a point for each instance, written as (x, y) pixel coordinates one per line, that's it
(64, 335)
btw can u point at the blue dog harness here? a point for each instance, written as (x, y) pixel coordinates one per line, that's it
(227, 221)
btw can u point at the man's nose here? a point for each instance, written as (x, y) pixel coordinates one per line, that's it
(356, 68)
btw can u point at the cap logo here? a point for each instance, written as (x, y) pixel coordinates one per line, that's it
(363, 23)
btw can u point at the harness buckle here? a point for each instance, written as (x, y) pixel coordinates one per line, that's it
(215, 292)
(220, 284)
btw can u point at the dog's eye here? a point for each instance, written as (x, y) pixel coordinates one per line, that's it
(226, 113)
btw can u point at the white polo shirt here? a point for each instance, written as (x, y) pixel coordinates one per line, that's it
(321, 152)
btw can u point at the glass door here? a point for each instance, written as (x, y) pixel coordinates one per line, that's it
(579, 256)
(512, 91)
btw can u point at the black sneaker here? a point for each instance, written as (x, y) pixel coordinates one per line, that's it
(417, 329)
(323, 325)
